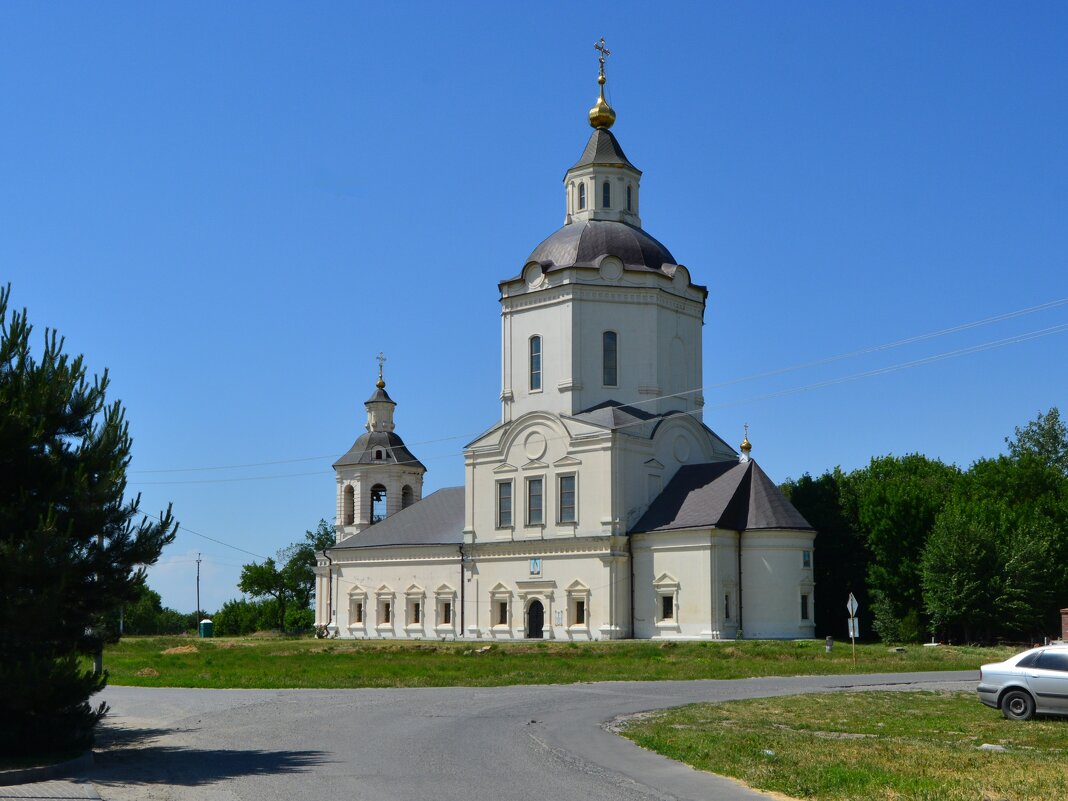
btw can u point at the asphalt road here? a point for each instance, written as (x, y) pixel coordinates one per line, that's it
(467, 744)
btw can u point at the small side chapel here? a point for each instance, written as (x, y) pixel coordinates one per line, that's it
(600, 506)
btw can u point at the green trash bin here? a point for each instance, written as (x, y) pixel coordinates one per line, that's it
(205, 628)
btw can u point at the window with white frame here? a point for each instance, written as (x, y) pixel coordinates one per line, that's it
(578, 605)
(357, 605)
(445, 597)
(609, 358)
(413, 613)
(504, 504)
(384, 611)
(500, 606)
(581, 196)
(535, 363)
(349, 511)
(630, 207)
(806, 558)
(666, 589)
(535, 501)
(805, 606)
(567, 498)
(606, 195)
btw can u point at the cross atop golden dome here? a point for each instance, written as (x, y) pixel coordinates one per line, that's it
(602, 115)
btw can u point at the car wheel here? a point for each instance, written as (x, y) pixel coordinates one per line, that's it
(1017, 705)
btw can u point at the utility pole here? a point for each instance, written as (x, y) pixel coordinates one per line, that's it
(198, 592)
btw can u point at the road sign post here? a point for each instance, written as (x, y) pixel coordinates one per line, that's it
(854, 624)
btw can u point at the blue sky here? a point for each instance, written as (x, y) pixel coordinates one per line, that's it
(235, 207)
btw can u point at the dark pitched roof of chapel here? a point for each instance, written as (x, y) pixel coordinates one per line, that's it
(393, 448)
(437, 519)
(737, 496)
(603, 148)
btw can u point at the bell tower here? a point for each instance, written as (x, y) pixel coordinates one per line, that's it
(378, 476)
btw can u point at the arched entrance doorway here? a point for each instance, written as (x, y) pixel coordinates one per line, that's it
(535, 620)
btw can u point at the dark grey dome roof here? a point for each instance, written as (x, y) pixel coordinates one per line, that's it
(394, 451)
(583, 244)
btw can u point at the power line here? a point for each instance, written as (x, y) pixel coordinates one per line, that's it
(780, 393)
(752, 377)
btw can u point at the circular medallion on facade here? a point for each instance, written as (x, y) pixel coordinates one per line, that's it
(611, 268)
(682, 448)
(534, 445)
(533, 275)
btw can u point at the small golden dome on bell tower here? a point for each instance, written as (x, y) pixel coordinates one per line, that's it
(746, 446)
(602, 115)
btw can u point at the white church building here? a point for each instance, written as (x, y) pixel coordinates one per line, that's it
(600, 506)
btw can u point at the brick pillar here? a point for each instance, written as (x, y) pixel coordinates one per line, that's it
(1064, 625)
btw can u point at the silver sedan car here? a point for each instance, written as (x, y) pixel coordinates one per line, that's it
(1028, 684)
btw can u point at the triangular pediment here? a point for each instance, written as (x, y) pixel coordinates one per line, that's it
(500, 586)
(357, 591)
(385, 589)
(577, 586)
(414, 589)
(504, 467)
(666, 580)
(567, 461)
(654, 464)
(535, 463)
(445, 589)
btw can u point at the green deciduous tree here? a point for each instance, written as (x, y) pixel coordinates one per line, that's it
(840, 562)
(290, 581)
(72, 547)
(1045, 437)
(894, 502)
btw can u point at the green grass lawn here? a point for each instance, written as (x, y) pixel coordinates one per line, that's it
(275, 663)
(905, 746)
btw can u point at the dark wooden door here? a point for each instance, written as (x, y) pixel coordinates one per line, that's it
(535, 620)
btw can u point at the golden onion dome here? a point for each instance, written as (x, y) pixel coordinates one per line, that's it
(747, 445)
(602, 114)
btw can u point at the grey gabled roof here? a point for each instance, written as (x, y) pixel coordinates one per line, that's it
(737, 496)
(393, 447)
(603, 148)
(437, 519)
(612, 414)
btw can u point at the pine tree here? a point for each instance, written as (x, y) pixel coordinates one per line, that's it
(73, 548)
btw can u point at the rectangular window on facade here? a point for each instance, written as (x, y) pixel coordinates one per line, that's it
(386, 612)
(502, 613)
(806, 558)
(804, 607)
(535, 363)
(535, 501)
(727, 607)
(609, 362)
(667, 607)
(504, 504)
(357, 613)
(416, 609)
(580, 613)
(567, 499)
(446, 614)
